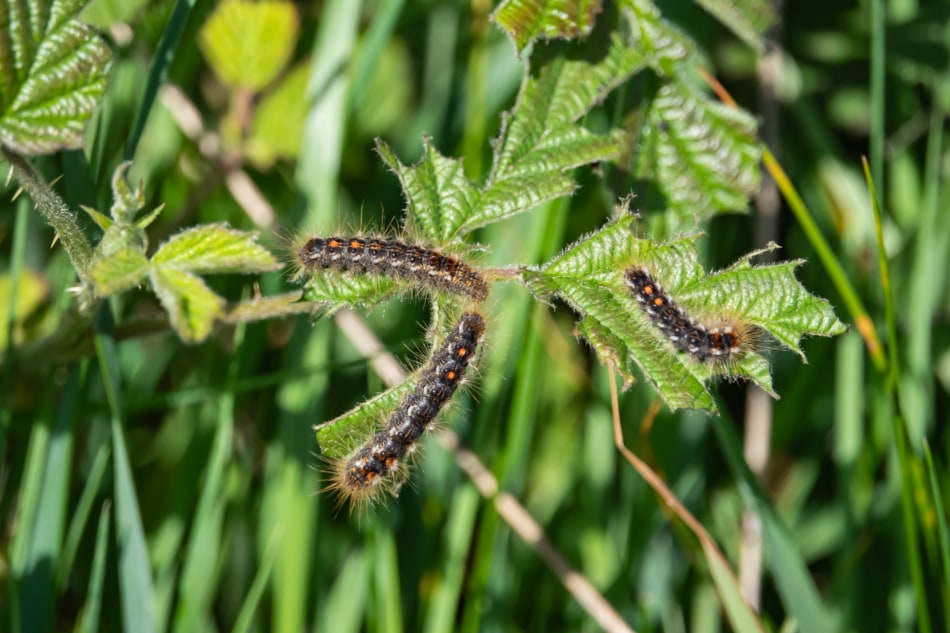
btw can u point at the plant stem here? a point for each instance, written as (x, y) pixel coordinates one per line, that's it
(56, 213)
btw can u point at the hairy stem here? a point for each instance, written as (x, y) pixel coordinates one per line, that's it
(56, 213)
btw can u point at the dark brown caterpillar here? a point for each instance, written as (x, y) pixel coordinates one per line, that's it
(395, 258)
(359, 477)
(686, 333)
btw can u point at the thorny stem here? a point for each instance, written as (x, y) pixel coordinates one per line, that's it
(56, 213)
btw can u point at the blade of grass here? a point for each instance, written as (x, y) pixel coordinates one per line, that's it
(325, 129)
(158, 72)
(244, 623)
(788, 569)
(46, 497)
(80, 516)
(940, 526)
(386, 575)
(197, 583)
(903, 434)
(459, 529)
(346, 602)
(135, 576)
(88, 621)
(928, 272)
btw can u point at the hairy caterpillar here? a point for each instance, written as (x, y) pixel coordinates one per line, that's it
(359, 477)
(373, 255)
(702, 342)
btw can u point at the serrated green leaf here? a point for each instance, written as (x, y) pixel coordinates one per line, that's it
(249, 43)
(118, 271)
(537, 150)
(277, 127)
(342, 436)
(214, 248)
(748, 19)
(701, 155)
(528, 20)
(589, 276)
(663, 44)
(439, 196)
(352, 289)
(52, 75)
(191, 305)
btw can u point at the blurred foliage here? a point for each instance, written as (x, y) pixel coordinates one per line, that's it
(151, 485)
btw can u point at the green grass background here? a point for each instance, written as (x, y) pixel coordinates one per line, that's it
(201, 460)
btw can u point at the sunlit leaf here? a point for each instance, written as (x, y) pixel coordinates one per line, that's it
(191, 305)
(527, 20)
(277, 128)
(214, 248)
(767, 299)
(540, 145)
(118, 271)
(52, 75)
(700, 155)
(249, 43)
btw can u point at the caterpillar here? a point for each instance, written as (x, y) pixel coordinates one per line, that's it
(374, 255)
(702, 342)
(358, 478)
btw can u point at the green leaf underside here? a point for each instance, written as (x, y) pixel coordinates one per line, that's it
(52, 75)
(537, 151)
(249, 43)
(260, 308)
(214, 248)
(341, 437)
(589, 276)
(357, 290)
(701, 154)
(528, 20)
(118, 272)
(748, 19)
(191, 305)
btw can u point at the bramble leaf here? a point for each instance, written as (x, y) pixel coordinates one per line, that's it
(342, 436)
(748, 19)
(534, 155)
(662, 44)
(249, 43)
(700, 154)
(277, 128)
(528, 20)
(118, 271)
(356, 290)
(191, 305)
(440, 198)
(589, 276)
(52, 75)
(214, 248)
